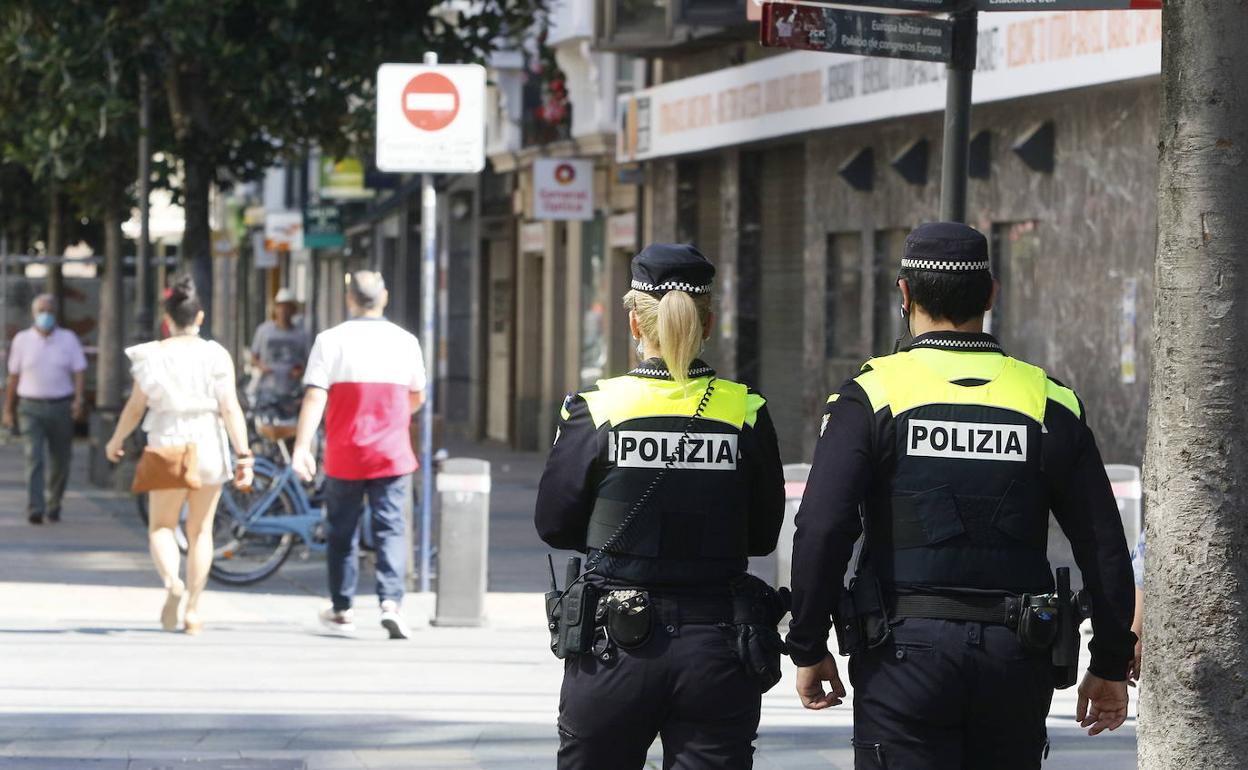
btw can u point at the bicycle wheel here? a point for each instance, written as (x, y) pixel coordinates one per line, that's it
(241, 557)
(179, 532)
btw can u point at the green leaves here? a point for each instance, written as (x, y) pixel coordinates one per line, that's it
(238, 85)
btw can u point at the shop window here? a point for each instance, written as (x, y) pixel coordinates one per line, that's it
(843, 298)
(749, 267)
(886, 325)
(593, 302)
(1015, 249)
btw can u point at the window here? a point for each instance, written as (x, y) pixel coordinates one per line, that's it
(593, 302)
(887, 326)
(716, 13)
(649, 25)
(640, 21)
(1015, 251)
(843, 297)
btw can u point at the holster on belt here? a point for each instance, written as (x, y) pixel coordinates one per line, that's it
(757, 610)
(862, 617)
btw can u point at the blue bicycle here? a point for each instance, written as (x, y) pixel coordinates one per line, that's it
(256, 530)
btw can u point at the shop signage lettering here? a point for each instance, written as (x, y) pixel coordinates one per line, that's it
(1019, 54)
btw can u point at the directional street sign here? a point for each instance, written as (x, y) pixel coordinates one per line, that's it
(931, 6)
(1069, 5)
(431, 118)
(855, 32)
(944, 6)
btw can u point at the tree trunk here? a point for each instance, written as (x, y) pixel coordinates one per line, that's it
(196, 238)
(1196, 466)
(109, 376)
(56, 249)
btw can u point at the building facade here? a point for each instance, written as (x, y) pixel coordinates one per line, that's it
(800, 173)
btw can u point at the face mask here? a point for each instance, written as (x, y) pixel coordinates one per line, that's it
(45, 321)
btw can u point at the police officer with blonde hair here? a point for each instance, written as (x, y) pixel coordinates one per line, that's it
(668, 478)
(950, 455)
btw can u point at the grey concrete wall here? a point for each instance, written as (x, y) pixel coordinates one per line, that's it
(1095, 227)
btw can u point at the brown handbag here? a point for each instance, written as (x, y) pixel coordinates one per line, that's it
(167, 467)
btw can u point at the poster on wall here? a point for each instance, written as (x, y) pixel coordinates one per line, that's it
(563, 189)
(1126, 330)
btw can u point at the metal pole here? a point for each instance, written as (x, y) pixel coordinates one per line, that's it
(428, 313)
(144, 297)
(955, 156)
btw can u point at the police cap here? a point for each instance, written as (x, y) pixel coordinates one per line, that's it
(662, 267)
(949, 247)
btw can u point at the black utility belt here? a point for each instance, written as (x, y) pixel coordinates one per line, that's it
(586, 619)
(1006, 611)
(1043, 622)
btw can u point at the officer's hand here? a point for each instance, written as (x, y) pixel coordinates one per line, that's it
(1137, 662)
(810, 681)
(1102, 704)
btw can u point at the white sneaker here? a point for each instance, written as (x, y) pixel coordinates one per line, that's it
(341, 623)
(392, 620)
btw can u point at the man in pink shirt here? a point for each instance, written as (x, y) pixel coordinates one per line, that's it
(367, 377)
(44, 395)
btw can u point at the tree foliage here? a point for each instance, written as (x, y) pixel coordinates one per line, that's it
(67, 99)
(240, 84)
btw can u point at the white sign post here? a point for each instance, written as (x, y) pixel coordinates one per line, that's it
(430, 119)
(563, 189)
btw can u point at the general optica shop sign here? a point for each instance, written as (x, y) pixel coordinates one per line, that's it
(1020, 54)
(563, 189)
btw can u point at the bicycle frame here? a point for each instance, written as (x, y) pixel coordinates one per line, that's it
(302, 524)
(255, 519)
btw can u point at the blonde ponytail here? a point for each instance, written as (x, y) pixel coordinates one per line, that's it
(673, 323)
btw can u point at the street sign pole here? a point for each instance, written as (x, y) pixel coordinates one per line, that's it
(430, 120)
(955, 156)
(428, 341)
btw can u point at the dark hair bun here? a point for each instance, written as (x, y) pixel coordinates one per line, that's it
(182, 304)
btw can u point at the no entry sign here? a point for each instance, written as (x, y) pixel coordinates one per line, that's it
(430, 101)
(431, 118)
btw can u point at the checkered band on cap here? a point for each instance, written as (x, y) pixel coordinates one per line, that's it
(688, 288)
(943, 264)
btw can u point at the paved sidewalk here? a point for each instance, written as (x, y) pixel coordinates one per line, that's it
(89, 681)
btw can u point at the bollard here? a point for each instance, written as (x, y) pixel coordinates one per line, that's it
(463, 486)
(795, 475)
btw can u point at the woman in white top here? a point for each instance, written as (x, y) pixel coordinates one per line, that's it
(186, 386)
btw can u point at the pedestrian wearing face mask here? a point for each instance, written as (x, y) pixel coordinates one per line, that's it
(43, 397)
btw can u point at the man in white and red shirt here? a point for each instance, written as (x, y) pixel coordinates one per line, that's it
(367, 377)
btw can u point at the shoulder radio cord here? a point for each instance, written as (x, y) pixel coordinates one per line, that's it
(639, 506)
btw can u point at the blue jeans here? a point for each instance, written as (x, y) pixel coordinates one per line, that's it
(344, 502)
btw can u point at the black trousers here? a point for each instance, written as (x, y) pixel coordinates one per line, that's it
(946, 695)
(685, 685)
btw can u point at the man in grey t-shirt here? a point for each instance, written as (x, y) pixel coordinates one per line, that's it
(279, 351)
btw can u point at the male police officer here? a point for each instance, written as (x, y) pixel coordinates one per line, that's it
(956, 453)
(672, 478)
